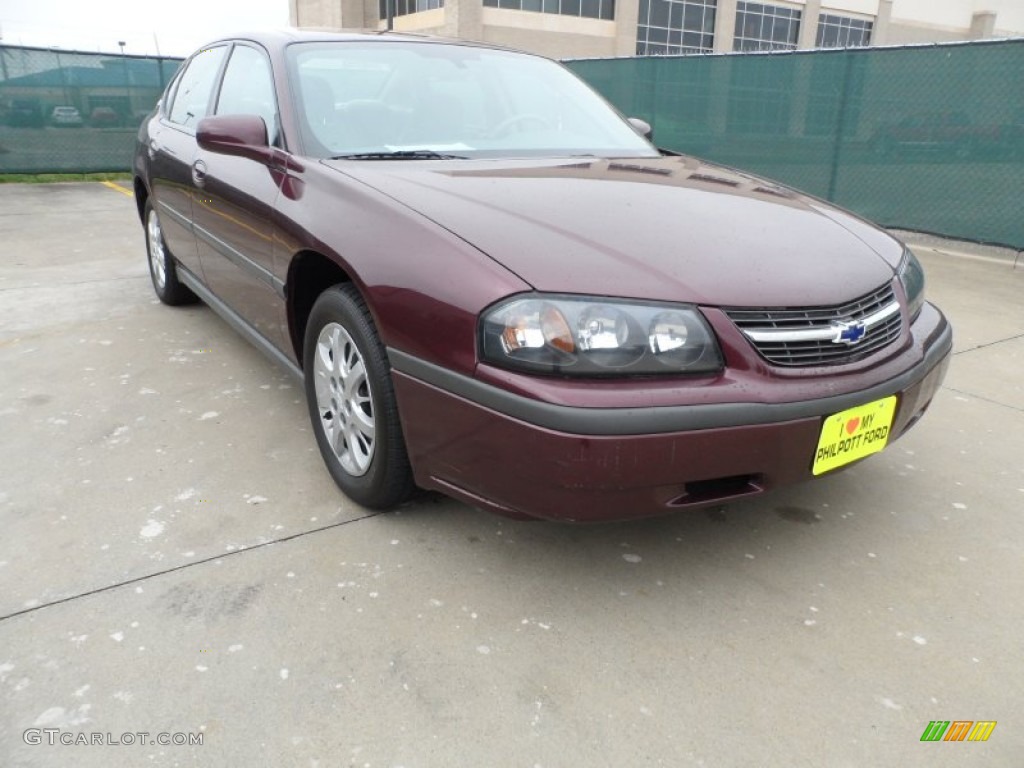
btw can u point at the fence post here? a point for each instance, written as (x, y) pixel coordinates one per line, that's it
(654, 92)
(844, 97)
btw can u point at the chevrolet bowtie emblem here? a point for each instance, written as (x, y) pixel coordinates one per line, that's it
(848, 333)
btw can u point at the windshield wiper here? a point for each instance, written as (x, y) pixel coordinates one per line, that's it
(402, 154)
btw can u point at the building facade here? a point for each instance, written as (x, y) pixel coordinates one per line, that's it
(595, 28)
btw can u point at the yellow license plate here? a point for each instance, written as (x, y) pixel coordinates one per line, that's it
(853, 434)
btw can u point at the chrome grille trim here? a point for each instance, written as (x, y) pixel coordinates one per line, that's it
(820, 334)
(810, 336)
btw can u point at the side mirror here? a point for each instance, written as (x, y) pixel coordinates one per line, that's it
(239, 135)
(641, 126)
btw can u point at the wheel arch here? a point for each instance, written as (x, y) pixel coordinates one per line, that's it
(310, 273)
(141, 196)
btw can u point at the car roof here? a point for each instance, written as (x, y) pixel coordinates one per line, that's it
(279, 38)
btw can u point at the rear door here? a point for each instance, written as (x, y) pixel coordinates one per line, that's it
(233, 210)
(172, 150)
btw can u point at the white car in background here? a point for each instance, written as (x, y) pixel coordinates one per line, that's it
(66, 116)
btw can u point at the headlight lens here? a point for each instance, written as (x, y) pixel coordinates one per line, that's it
(584, 336)
(912, 277)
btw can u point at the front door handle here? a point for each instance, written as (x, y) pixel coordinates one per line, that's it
(199, 173)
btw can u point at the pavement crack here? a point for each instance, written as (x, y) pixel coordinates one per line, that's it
(183, 566)
(985, 399)
(57, 212)
(75, 282)
(989, 344)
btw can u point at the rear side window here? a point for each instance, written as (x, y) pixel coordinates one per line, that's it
(248, 88)
(195, 86)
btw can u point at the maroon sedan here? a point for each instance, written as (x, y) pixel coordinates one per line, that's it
(494, 286)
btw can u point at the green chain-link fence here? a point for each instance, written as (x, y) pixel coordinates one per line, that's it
(62, 111)
(925, 138)
(928, 138)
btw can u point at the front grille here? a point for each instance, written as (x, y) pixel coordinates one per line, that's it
(805, 336)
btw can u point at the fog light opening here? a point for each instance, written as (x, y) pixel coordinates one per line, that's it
(718, 489)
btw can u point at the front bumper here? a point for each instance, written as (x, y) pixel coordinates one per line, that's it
(525, 457)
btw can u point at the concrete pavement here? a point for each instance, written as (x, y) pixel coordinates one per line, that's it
(174, 559)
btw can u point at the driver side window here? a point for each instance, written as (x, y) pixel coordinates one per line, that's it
(248, 89)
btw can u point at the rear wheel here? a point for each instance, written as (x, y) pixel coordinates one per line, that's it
(163, 268)
(352, 402)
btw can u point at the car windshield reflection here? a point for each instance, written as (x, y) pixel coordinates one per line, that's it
(408, 100)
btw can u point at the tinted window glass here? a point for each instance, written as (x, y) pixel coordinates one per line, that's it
(668, 27)
(193, 95)
(763, 27)
(248, 88)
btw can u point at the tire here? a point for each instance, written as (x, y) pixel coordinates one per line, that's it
(163, 269)
(352, 402)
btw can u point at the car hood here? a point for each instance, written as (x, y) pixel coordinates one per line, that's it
(666, 228)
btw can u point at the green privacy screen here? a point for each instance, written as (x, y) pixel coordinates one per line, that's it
(924, 138)
(928, 138)
(74, 112)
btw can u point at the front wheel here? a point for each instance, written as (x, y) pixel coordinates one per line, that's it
(352, 402)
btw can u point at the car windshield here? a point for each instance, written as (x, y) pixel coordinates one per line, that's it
(420, 100)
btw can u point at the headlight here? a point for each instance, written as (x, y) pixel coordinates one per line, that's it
(585, 336)
(912, 276)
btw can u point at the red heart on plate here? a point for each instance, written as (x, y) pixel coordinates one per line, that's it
(852, 424)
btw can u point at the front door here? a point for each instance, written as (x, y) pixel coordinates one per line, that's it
(233, 206)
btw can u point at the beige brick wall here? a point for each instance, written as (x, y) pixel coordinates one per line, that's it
(557, 45)
(897, 22)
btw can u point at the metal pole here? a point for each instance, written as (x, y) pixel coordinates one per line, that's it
(127, 85)
(390, 6)
(844, 97)
(63, 77)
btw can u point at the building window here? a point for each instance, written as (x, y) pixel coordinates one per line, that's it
(405, 7)
(668, 27)
(843, 32)
(590, 9)
(763, 27)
